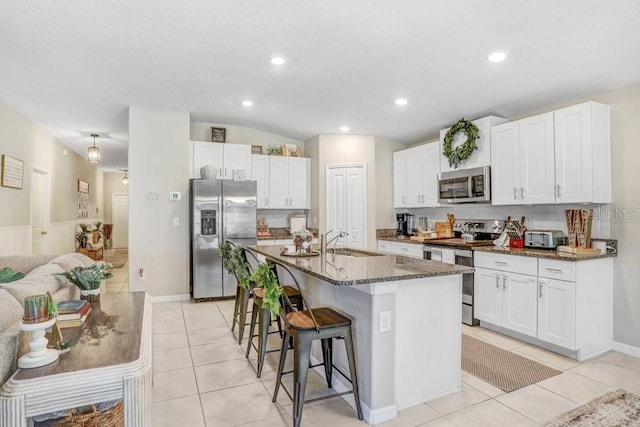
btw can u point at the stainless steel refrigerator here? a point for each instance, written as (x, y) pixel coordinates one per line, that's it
(220, 210)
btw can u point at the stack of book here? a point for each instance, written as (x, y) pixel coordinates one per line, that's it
(73, 313)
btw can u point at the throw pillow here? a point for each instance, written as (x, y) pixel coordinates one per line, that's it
(8, 275)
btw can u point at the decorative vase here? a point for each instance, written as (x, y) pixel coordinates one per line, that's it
(91, 295)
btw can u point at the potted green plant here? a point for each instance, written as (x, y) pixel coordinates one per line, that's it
(235, 264)
(264, 277)
(88, 279)
(82, 239)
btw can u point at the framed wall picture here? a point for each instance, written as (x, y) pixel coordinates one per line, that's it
(83, 186)
(218, 134)
(256, 149)
(12, 172)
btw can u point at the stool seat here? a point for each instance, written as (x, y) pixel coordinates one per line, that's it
(290, 291)
(325, 318)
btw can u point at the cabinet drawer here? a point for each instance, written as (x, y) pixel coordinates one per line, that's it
(554, 269)
(510, 263)
(384, 246)
(407, 249)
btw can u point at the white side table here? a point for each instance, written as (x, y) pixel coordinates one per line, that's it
(39, 355)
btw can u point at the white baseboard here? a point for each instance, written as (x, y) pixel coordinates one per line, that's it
(627, 349)
(371, 416)
(171, 298)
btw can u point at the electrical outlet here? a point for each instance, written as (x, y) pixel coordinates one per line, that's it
(175, 195)
(141, 274)
(176, 221)
(385, 321)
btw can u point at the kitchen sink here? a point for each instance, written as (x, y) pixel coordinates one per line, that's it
(352, 252)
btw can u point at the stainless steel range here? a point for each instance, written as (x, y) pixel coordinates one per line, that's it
(459, 250)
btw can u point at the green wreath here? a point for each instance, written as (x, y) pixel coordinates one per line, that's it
(463, 152)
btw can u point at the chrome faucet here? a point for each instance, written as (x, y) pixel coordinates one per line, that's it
(324, 242)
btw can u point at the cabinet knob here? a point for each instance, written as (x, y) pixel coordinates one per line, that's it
(504, 282)
(540, 285)
(558, 191)
(497, 282)
(515, 193)
(521, 192)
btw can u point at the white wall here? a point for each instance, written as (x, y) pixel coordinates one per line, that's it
(158, 158)
(385, 214)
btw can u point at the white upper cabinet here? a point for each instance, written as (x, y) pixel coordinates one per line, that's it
(289, 180)
(522, 156)
(260, 174)
(583, 153)
(479, 157)
(415, 176)
(206, 154)
(400, 179)
(224, 157)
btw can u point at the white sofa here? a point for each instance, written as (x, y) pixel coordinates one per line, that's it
(38, 279)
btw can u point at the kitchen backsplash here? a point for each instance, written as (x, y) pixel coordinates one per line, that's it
(547, 217)
(279, 218)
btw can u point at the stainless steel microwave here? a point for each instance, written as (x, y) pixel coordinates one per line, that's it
(465, 186)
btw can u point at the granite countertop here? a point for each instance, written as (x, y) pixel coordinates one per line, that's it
(544, 253)
(344, 270)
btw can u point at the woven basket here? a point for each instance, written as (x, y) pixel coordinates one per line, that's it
(112, 417)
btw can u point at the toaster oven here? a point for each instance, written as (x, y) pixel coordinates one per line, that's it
(549, 239)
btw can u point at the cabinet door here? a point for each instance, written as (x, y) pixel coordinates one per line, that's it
(414, 177)
(260, 174)
(573, 154)
(431, 169)
(557, 312)
(400, 179)
(207, 154)
(537, 174)
(505, 154)
(487, 295)
(298, 183)
(520, 303)
(407, 249)
(278, 182)
(236, 157)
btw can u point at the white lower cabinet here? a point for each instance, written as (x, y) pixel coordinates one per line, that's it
(559, 304)
(413, 250)
(557, 312)
(506, 299)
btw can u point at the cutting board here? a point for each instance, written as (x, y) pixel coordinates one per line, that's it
(443, 229)
(578, 251)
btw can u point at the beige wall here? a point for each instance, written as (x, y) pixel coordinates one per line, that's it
(23, 140)
(201, 131)
(385, 214)
(112, 185)
(377, 154)
(625, 131)
(158, 158)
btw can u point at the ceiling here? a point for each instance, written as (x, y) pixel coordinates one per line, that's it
(74, 67)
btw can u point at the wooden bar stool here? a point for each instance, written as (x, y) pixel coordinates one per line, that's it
(303, 327)
(263, 318)
(241, 307)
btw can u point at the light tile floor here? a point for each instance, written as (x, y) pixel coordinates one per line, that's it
(201, 378)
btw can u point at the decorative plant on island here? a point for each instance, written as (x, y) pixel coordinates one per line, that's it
(88, 279)
(262, 277)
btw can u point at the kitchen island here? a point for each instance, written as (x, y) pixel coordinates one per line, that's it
(406, 322)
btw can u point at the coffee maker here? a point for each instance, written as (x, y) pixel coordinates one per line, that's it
(405, 224)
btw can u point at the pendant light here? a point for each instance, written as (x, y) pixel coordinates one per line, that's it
(125, 178)
(94, 152)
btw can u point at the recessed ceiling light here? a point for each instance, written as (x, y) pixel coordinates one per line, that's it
(247, 103)
(401, 101)
(277, 60)
(344, 128)
(498, 56)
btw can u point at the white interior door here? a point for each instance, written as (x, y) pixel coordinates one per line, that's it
(346, 204)
(39, 211)
(120, 218)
